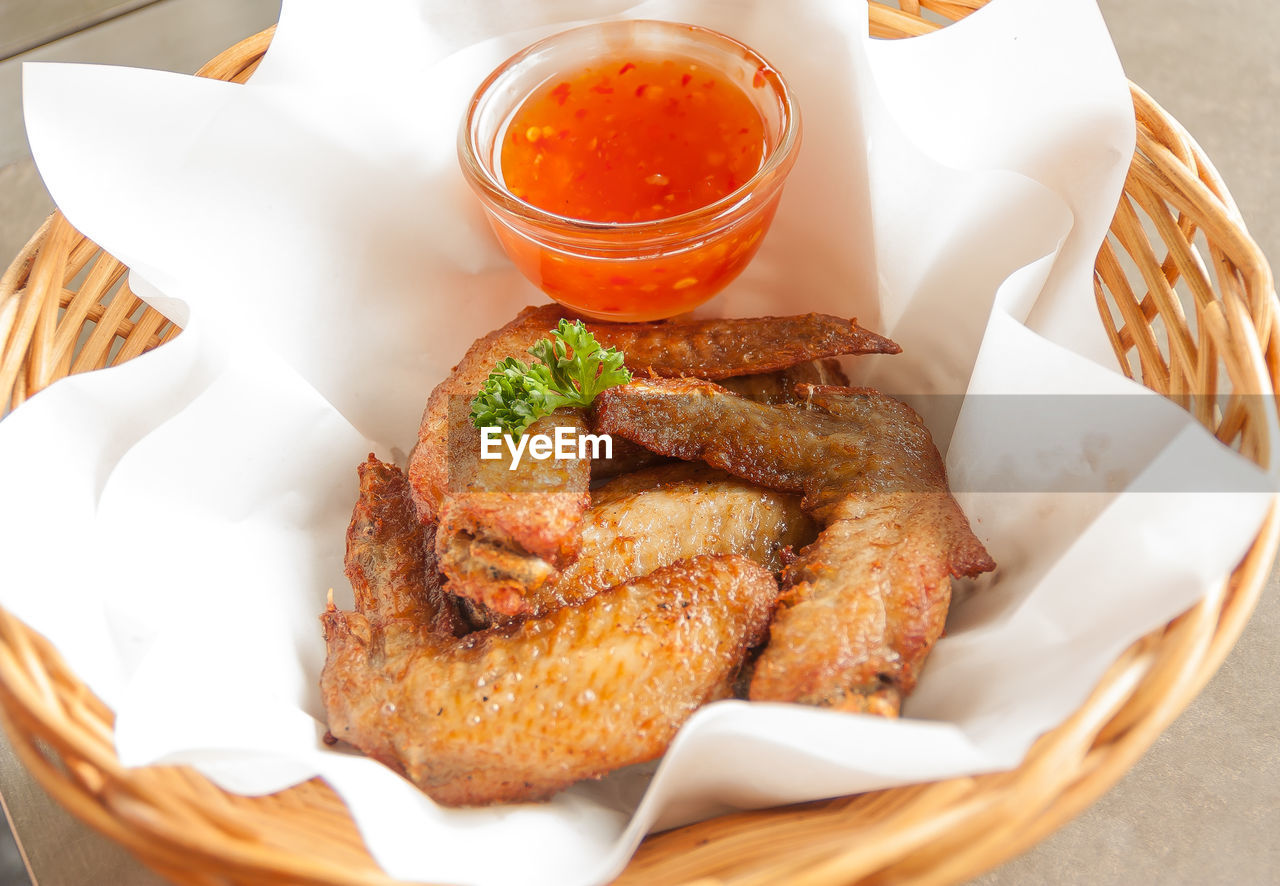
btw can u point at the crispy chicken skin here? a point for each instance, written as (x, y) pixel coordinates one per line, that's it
(496, 542)
(507, 531)
(864, 604)
(390, 559)
(765, 387)
(652, 518)
(716, 349)
(390, 562)
(518, 712)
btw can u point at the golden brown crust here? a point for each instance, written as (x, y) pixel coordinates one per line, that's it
(504, 532)
(501, 531)
(447, 441)
(515, 714)
(390, 556)
(765, 387)
(716, 349)
(646, 520)
(785, 446)
(390, 561)
(445, 464)
(863, 605)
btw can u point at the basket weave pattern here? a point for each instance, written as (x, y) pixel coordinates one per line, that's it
(1177, 245)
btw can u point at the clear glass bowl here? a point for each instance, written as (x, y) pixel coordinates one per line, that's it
(630, 270)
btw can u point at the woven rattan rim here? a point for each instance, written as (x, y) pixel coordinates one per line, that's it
(64, 308)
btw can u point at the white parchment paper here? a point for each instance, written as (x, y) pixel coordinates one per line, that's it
(174, 524)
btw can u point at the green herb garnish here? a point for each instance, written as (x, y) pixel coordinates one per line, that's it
(573, 370)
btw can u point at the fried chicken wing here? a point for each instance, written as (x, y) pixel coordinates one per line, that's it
(390, 559)
(500, 531)
(642, 521)
(519, 712)
(864, 604)
(764, 387)
(497, 541)
(506, 531)
(716, 349)
(391, 564)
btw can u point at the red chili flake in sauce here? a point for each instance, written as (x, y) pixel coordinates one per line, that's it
(667, 147)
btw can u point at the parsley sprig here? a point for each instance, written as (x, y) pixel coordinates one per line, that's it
(573, 369)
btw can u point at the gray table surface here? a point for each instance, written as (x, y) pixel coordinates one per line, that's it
(1202, 807)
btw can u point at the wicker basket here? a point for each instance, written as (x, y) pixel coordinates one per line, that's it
(1177, 245)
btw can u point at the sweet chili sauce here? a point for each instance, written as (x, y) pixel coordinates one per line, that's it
(632, 139)
(635, 141)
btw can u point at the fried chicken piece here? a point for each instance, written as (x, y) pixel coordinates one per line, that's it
(864, 604)
(517, 713)
(500, 531)
(722, 348)
(642, 521)
(503, 533)
(391, 564)
(508, 530)
(390, 559)
(765, 387)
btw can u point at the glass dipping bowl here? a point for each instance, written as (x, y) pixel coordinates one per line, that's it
(630, 271)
